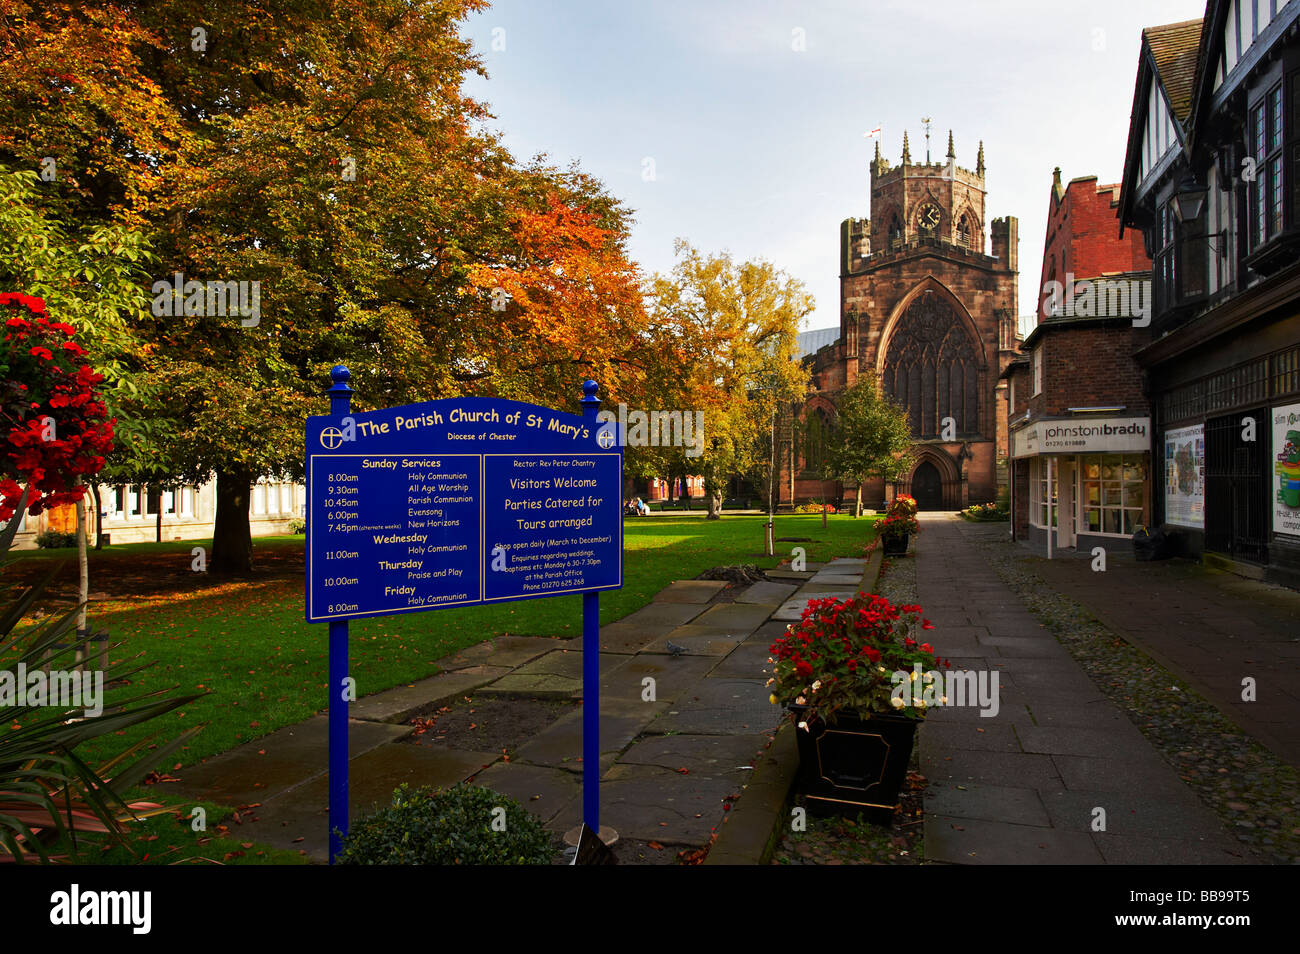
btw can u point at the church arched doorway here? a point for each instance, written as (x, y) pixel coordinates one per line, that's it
(927, 487)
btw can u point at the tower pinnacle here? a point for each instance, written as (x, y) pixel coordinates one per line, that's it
(952, 153)
(979, 163)
(907, 153)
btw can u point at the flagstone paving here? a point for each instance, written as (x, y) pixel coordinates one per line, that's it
(1025, 786)
(768, 592)
(1210, 627)
(680, 731)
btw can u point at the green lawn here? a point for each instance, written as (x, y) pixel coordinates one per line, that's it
(261, 666)
(169, 839)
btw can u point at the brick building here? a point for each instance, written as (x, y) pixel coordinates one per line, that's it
(1079, 421)
(932, 314)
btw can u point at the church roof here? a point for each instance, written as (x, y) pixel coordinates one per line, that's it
(811, 341)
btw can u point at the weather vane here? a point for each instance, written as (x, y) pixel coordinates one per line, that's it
(926, 121)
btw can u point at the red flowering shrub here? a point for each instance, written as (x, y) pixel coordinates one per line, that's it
(843, 655)
(897, 524)
(900, 519)
(56, 427)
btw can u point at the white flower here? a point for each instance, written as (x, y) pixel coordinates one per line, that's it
(803, 725)
(896, 702)
(817, 685)
(801, 701)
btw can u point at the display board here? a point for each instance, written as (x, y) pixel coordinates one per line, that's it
(1286, 469)
(1184, 469)
(457, 502)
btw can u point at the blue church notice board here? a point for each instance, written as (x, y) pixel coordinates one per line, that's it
(457, 502)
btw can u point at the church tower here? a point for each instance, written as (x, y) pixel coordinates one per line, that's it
(928, 307)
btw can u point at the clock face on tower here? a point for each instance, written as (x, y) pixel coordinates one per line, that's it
(929, 217)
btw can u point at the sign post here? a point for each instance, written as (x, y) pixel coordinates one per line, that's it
(591, 660)
(340, 406)
(458, 502)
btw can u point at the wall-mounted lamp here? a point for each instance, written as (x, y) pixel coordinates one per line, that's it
(1189, 200)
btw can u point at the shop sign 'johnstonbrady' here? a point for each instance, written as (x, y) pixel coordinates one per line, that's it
(459, 501)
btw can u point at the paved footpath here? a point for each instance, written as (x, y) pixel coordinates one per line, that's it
(1208, 626)
(674, 760)
(1023, 787)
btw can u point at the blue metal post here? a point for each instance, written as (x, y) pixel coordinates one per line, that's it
(591, 664)
(340, 406)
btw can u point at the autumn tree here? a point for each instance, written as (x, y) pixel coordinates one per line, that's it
(870, 439)
(325, 159)
(740, 327)
(90, 274)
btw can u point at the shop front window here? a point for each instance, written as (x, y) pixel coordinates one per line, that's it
(1114, 493)
(1038, 503)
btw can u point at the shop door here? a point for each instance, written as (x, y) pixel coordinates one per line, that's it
(1236, 487)
(927, 487)
(1065, 495)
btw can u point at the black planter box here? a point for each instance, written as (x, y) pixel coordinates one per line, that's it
(855, 765)
(895, 546)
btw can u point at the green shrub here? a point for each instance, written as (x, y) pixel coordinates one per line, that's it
(55, 539)
(449, 827)
(297, 525)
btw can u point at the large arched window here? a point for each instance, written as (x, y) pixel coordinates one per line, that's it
(817, 432)
(931, 368)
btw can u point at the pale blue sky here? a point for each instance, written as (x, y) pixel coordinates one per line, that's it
(758, 147)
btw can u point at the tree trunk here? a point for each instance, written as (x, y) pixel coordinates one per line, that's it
(83, 585)
(857, 506)
(232, 539)
(158, 517)
(715, 506)
(99, 517)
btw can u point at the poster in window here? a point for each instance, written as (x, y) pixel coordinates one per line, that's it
(1185, 476)
(1286, 469)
